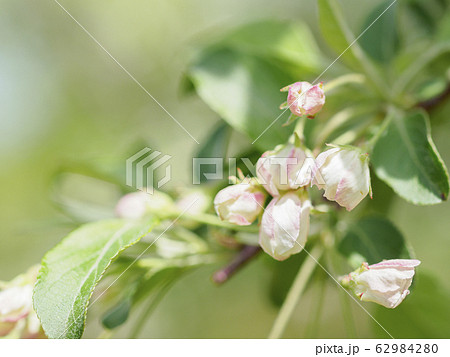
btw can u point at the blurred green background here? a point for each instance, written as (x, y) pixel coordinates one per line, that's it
(64, 102)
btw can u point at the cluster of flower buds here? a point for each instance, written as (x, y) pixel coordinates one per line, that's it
(285, 173)
(385, 283)
(17, 317)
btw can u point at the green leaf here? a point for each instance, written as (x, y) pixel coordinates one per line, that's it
(244, 91)
(283, 275)
(72, 269)
(381, 41)
(337, 34)
(372, 239)
(424, 313)
(215, 146)
(117, 315)
(406, 159)
(423, 17)
(281, 41)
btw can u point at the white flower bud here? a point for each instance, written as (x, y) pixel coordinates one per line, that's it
(17, 317)
(285, 225)
(346, 175)
(137, 204)
(239, 204)
(285, 168)
(193, 202)
(385, 283)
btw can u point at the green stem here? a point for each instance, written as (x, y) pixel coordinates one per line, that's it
(295, 292)
(338, 120)
(409, 74)
(314, 322)
(105, 334)
(371, 143)
(210, 219)
(342, 80)
(343, 297)
(347, 313)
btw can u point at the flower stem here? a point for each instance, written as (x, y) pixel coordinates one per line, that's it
(295, 292)
(314, 321)
(215, 221)
(346, 308)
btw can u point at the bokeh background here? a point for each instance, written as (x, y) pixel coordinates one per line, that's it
(65, 103)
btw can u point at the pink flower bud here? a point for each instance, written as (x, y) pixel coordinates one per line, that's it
(346, 175)
(385, 283)
(137, 204)
(239, 204)
(285, 225)
(305, 98)
(285, 168)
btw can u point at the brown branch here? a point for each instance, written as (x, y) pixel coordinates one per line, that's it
(432, 103)
(247, 253)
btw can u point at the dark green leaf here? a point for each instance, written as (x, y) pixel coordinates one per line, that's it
(283, 275)
(214, 147)
(72, 269)
(425, 313)
(406, 159)
(424, 16)
(117, 315)
(381, 41)
(244, 91)
(372, 239)
(337, 34)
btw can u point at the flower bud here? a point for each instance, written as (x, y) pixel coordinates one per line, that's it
(137, 204)
(385, 283)
(285, 168)
(305, 98)
(193, 202)
(345, 174)
(239, 204)
(285, 225)
(17, 317)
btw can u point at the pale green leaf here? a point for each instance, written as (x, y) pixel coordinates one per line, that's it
(72, 269)
(281, 41)
(406, 159)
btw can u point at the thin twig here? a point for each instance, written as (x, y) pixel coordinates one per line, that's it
(245, 255)
(432, 103)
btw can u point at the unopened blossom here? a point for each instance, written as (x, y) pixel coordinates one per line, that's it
(17, 317)
(345, 175)
(193, 202)
(286, 168)
(305, 98)
(137, 204)
(385, 283)
(239, 204)
(285, 225)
